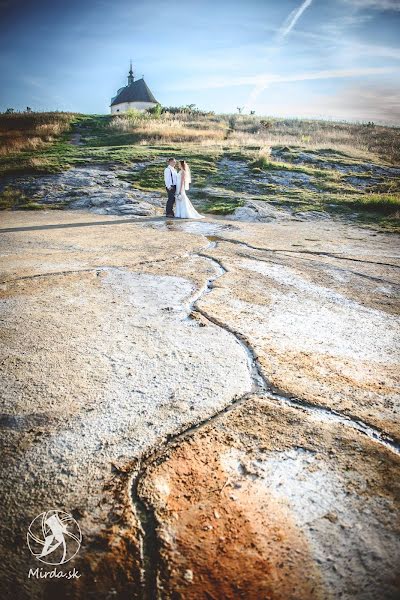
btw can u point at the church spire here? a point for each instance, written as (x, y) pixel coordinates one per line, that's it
(131, 78)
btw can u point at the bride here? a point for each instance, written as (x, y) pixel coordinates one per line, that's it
(184, 209)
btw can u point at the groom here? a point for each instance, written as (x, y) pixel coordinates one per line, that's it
(170, 184)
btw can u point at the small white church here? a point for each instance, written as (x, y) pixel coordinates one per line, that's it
(135, 95)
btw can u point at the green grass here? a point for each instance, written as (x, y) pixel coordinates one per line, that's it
(150, 178)
(14, 199)
(374, 210)
(263, 163)
(383, 203)
(215, 204)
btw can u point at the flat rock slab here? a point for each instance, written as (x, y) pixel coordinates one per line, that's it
(100, 363)
(266, 502)
(321, 313)
(119, 335)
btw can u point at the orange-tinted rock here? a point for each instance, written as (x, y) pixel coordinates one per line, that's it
(235, 513)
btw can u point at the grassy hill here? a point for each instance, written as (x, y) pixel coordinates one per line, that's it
(333, 167)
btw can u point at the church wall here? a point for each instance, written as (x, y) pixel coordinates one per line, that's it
(124, 106)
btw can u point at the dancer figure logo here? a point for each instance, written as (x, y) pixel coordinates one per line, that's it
(54, 537)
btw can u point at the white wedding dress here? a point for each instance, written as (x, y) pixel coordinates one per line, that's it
(184, 209)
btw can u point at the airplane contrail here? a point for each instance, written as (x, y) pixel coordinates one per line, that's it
(293, 18)
(286, 28)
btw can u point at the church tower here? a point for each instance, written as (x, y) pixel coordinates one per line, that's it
(131, 78)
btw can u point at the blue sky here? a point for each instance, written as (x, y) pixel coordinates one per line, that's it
(315, 58)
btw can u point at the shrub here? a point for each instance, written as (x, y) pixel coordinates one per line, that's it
(232, 122)
(266, 123)
(134, 115)
(189, 109)
(155, 111)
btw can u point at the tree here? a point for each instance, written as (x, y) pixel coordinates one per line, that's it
(240, 109)
(9, 111)
(28, 109)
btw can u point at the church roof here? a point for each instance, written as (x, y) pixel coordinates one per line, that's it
(137, 91)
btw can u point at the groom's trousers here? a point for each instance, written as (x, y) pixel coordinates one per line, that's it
(171, 200)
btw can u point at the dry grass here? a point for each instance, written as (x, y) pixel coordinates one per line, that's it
(175, 133)
(358, 140)
(170, 128)
(31, 131)
(35, 131)
(368, 142)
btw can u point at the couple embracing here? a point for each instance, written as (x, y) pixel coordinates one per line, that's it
(177, 184)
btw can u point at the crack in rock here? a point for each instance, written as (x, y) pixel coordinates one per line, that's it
(143, 512)
(261, 388)
(312, 252)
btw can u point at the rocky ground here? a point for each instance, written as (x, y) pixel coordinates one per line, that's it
(98, 188)
(319, 185)
(297, 184)
(215, 402)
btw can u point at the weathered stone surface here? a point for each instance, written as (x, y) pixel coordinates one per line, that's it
(102, 364)
(108, 356)
(141, 208)
(98, 188)
(259, 211)
(317, 305)
(336, 162)
(267, 502)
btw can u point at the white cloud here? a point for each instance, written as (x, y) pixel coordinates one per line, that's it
(376, 51)
(262, 81)
(355, 47)
(375, 4)
(344, 23)
(293, 17)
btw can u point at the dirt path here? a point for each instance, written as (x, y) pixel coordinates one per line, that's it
(216, 403)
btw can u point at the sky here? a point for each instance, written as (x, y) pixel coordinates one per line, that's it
(335, 59)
